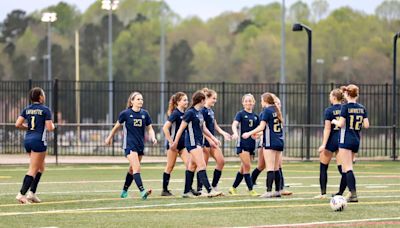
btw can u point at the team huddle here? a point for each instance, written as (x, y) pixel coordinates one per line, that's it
(190, 132)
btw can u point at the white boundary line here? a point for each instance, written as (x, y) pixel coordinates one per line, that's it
(326, 222)
(165, 205)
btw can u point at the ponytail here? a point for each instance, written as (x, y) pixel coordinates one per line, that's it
(173, 102)
(272, 99)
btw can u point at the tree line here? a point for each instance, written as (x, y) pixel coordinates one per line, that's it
(242, 46)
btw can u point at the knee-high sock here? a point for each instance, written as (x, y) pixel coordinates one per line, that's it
(35, 182)
(189, 175)
(26, 184)
(138, 181)
(166, 177)
(204, 180)
(216, 177)
(238, 179)
(277, 175)
(351, 180)
(128, 181)
(254, 175)
(323, 177)
(249, 183)
(270, 180)
(343, 181)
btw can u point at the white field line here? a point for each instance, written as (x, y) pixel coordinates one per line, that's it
(162, 205)
(326, 222)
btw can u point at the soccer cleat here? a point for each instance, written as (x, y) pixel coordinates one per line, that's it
(32, 197)
(276, 194)
(145, 193)
(195, 193)
(22, 199)
(203, 193)
(321, 196)
(213, 193)
(352, 197)
(233, 191)
(285, 192)
(166, 193)
(253, 193)
(188, 195)
(267, 195)
(124, 194)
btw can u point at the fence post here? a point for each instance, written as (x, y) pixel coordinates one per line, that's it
(29, 84)
(55, 108)
(112, 115)
(386, 116)
(223, 114)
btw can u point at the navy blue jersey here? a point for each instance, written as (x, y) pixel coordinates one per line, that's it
(332, 113)
(354, 113)
(247, 122)
(176, 119)
(134, 124)
(194, 130)
(208, 115)
(36, 115)
(273, 132)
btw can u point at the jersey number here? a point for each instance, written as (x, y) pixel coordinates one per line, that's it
(277, 125)
(32, 123)
(356, 125)
(251, 123)
(137, 122)
(336, 127)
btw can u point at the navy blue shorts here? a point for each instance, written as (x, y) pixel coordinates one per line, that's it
(277, 148)
(248, 149)
(139, 151)
(353, 147)
(181, 145)
(35, 146)
(190, 147)
(332, 147)
(206, 143)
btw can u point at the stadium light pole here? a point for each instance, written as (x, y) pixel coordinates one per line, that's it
(346, 60)
(110, 5)
(283, 60)
(49, 17)
(394, 115)
(297, 27)
(162, 61)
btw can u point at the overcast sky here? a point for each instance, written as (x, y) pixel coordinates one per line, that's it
(202, 8)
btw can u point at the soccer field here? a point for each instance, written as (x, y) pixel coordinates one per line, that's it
(88, 196)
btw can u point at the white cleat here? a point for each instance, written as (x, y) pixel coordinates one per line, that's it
(22, 199)
(32, 197)
(213, 193)
(267, 195)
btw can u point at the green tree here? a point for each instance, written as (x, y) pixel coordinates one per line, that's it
(180, 59)
(388, 10)
(319, 9)
(299, 11)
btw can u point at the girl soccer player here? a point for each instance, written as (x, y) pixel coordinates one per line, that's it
(38, 118)
(177, 105)
(211, 149)
(247, 121)
(134, 121)
(330, 140)
(261, 163)
(353, 116)
(193, 122)
(271, 124)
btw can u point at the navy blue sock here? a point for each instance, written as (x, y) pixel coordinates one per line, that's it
(277, 175)
(249, 183)
(238, 179)
(216, 177)
(351, 180)
(343, 181)
(128, 181)
(166, 177)
(323, 177)
(270, 180)
(26, 184)
(189, 175)
(204, 180)
(35, 182)
(254, 175)
(282, 185)
(138, 181)
(199, 184)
